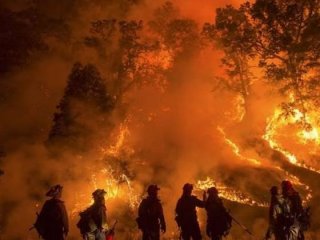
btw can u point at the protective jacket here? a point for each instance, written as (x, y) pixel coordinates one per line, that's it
(292, 225)
(276, 218)
(53, 220)
(218, 218)
(186, 216)
(151, 218)
(95, 221)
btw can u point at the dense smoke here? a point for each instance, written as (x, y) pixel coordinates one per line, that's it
(121, 94)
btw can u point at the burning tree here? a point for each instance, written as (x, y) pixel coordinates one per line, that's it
(135, 55)
(280, 39)
(287, 41)
(163, 16)
(282, 36)
(233, 34)
(178, 34)
(121, 46)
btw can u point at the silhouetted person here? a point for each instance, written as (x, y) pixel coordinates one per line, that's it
(292, 205)
(218, 218)
(151, 218)
(52, 222)
(276, 215)
(95, 218)
(292, 197)
(186, 215)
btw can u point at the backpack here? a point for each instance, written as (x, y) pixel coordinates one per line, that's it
(44, 219)
(304, 219)
(84, 221)
(226, 223)
(219, 219)
(39, 225)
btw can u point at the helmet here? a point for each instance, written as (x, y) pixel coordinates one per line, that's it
(213, 191)
(54, 190)
(286, 185)
(274, 190)
(98, 193)
(153, 188)
(187, 187)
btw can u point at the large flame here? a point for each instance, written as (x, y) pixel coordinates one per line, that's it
(117, 185)
(119, 145)
(274, 125)
(228, 193)
(306, 129)
(236, 149)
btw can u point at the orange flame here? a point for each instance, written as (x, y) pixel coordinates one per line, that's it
(236, 149)
(228, 193)
(277, 122)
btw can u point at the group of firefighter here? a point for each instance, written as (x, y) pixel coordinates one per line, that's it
(287, 217)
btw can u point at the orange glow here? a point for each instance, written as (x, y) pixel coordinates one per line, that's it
(228, 193)
(236, 149)
(303, 135)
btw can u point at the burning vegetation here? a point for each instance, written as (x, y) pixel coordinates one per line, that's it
(103, 94)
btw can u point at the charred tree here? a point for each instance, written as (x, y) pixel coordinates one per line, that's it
(233, 34)
(83, 110)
